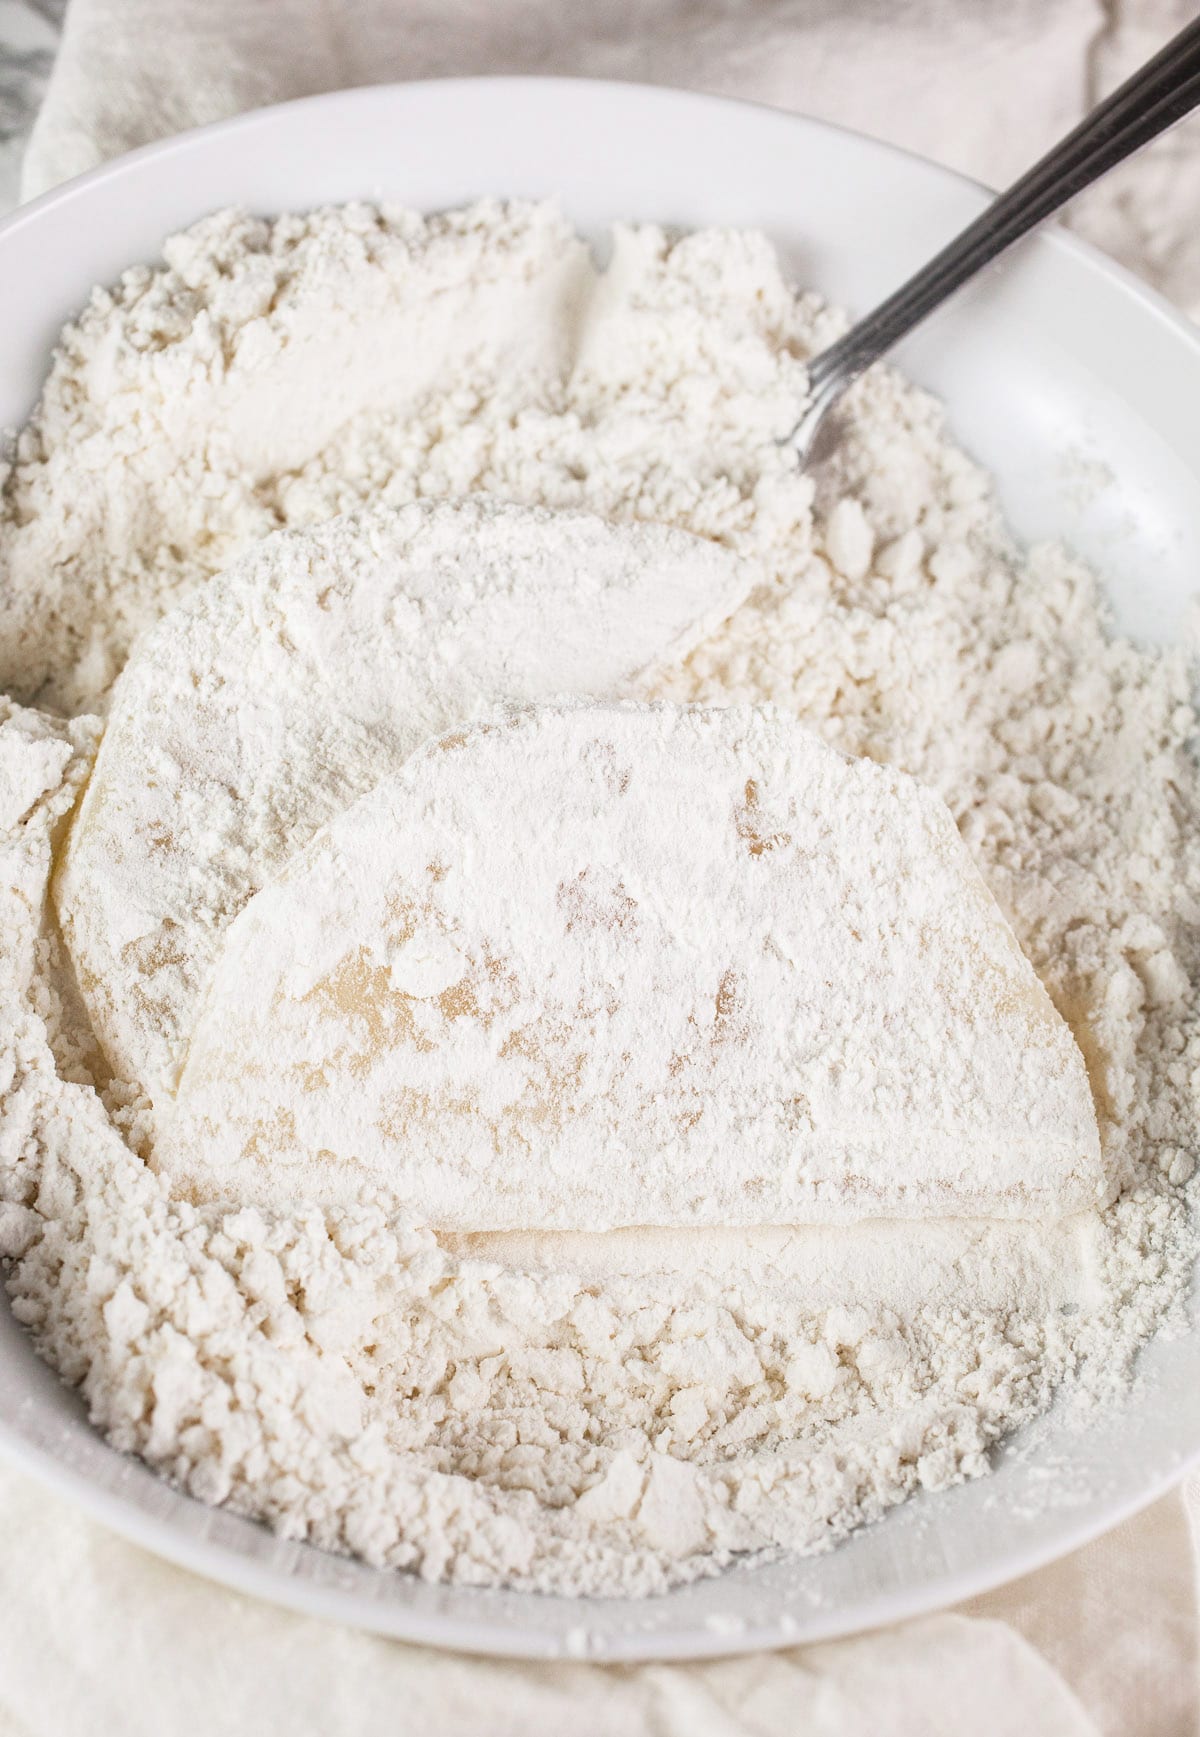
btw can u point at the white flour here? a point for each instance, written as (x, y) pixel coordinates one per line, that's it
(574, 1412)
(294, 682)
(580, 968)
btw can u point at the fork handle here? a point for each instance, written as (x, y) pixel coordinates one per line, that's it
(1162, 92)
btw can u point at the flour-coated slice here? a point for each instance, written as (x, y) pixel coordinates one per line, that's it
(593, 966)
(290, 684)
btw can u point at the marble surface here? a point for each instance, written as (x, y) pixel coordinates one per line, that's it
(28, 38)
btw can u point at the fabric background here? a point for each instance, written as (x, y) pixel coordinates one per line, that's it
(97, 1637)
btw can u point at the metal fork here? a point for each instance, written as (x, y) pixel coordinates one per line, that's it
(1164, 90)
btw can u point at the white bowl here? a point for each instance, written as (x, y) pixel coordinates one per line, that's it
(1055, 365)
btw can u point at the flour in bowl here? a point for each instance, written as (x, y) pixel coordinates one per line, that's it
(607, 965)
(293, 683)
(572, 1411)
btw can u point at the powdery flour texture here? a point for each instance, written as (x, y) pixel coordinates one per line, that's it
(595, 966)
(602, 1413)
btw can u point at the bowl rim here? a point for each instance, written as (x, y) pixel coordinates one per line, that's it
(248, 120)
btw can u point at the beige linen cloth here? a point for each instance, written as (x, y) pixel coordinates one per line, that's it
(98, 1639)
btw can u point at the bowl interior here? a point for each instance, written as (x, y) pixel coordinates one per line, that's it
(1069, 380)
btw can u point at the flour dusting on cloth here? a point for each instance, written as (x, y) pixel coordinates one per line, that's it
(573, 1411)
